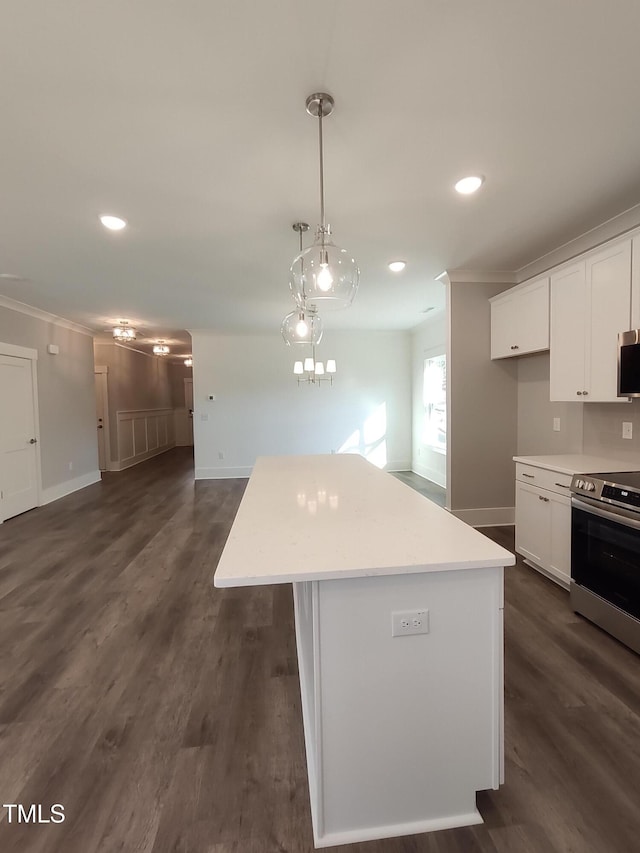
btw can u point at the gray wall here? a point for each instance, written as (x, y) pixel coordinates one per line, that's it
(135, 381)
(536, 436)
(66, 395)
(483, 395)
(591, 428)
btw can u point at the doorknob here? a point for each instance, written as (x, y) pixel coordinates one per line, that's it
(33, 441)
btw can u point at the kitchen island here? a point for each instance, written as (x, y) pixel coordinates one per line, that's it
(398, 613)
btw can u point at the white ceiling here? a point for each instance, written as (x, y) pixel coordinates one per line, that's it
(188, 119)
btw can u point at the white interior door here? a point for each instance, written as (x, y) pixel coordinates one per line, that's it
(18, 460)
(101, 419)
(188, 402)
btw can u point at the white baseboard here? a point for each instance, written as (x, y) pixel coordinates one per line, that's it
(402, 465)
(223, 473)
(495, 516)
(54, 493)
(393, 830)
(429, 474)
(141, 457)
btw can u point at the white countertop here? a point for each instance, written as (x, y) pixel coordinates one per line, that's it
(338, 516)
(577, 463)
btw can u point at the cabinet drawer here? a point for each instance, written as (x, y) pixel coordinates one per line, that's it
(543, 478)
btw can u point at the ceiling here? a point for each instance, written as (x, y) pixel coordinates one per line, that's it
(188, 119)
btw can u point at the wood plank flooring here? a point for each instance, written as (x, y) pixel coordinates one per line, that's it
(165, 714)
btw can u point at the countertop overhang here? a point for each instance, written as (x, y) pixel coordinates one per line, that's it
(334, 516)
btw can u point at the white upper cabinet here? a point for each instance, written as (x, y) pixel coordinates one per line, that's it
(520, 320)
(590, 305)
(635, 283)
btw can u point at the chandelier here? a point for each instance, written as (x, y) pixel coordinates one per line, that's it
(323, 273)
(312, 372)
(123, 332)
(161, 348)
(188, 362)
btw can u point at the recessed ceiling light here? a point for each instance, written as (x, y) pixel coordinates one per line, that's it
(113, 223)
(11, 277)
(397, 266)
(469, 185)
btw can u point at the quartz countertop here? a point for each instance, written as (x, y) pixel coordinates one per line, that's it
(577, 463)
(338, 516)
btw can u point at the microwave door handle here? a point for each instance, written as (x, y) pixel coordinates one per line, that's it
(626, 520)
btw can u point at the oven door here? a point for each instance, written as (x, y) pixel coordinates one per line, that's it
(605, 553)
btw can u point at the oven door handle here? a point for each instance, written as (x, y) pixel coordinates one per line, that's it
(620, 516)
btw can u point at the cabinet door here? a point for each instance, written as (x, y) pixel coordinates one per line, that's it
(533, 525)
(609, 312)
(520, 320)
(503, 319)
(568, 338)
(560, 538)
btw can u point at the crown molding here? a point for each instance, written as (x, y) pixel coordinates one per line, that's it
(617, 226)
(45, 316)
(477, 276)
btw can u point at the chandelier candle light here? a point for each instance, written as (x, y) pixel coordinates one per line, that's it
(312, 372)
(323, 273)
(123, 332)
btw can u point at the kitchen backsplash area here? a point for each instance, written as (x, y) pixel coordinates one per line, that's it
(592, 428)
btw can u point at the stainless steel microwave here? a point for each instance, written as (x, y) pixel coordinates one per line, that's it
(629, 363)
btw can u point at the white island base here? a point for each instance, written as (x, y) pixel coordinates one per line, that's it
(400, 731)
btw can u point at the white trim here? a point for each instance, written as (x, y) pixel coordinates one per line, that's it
(479, 276)
(61, 490)
(222, 473)
(45, 316)
(549, 572)
(436, 477)
(495, 516)
(142, 457)
(398, 829)
(18, 352)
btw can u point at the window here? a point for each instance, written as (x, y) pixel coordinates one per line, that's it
(434, 390)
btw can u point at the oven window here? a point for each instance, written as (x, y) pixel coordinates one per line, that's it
(605, 558)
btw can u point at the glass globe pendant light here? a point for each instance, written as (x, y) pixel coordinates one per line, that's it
(324, 274)
(302, 326)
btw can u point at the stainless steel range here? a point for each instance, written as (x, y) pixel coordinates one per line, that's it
(605, 552)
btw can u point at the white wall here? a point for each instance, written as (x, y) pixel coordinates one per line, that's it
(66, 398)
(259, 409)
(427, 340)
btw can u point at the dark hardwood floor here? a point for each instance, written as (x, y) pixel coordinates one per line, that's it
(165, 714)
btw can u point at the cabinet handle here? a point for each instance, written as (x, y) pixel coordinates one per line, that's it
(579, 393)
(515, 347)
(540, 498)
(529, 476)
(563, 485)
(585, 393)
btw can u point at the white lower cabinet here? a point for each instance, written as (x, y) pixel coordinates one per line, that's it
(543, 526)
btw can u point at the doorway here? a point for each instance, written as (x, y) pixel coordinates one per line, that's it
(19, 453)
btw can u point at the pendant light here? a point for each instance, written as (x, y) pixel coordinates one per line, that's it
(302, 326)
(324, 274)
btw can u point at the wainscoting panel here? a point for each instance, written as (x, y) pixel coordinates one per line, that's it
(143, 433)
